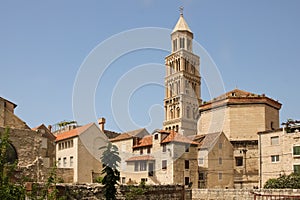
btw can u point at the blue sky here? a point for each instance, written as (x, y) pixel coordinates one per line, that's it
(255, 45)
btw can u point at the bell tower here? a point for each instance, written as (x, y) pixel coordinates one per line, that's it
(182, 82)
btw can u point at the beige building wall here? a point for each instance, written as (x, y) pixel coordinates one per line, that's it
(284, 150)
(217, 165)
(67, 153)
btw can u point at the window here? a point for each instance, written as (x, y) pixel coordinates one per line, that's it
(182, 43)
(296, 150)
(275, 140)
(186, 180)
(220, 161)
(59, 146)
(71, 161)
(136, 166)
(164, 147)
(187, 148)
(220, 175)
(186, 164)
(201, 176)
(59, 162)
(220, 145)
(275, 158)
(143, 166)
(156, 136)
(175, 45)
(65, 162)
(238, 161)
(201, 161)
(148, 150)
(164, 165)
(123, 180)
(188, 44)
(297, 169)
(141, 151)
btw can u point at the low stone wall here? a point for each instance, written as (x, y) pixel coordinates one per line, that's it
(95, 192)
(235, 194)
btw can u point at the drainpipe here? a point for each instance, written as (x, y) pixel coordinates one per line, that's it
(260, 163)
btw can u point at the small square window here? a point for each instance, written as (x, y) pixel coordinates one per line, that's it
(239, 161)
(186, 180)
(186, 164)
(136, 166)
(220, 176)
(143, 166)
(201, 161)
(297, 169)
(220, 145)
(201, 176)
(275, 158)
(296, 150)
(164, 165)
(275, 140)
(148, 150)
(123, 180)
(164, 148)
(156, 136)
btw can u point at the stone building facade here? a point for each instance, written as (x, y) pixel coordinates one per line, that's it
(279, 153)
(165, 157)
(240, 115)
(215, 161)
(78, 149)
(34, 148)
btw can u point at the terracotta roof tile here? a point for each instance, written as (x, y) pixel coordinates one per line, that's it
(73, 132)
(176, 137)
(145, 141)
(137, 158)
(127, 135)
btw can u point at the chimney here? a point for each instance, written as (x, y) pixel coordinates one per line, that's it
(50, 128)
(101, 123)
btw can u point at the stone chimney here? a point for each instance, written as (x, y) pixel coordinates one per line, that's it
(101, 123)
(50, 128)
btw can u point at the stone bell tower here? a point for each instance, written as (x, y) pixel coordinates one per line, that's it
(182, 82)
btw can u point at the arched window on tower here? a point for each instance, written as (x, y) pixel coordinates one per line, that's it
(182, 43)
(177, 127)
(171, 114)
(178, 112)
(175, 45)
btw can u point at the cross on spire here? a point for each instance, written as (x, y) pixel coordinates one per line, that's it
(181, 10)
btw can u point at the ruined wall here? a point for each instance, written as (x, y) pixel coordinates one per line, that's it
(31, 154)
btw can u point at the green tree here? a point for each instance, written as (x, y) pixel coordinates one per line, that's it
(284, 181)
(8, 190)
(110, 159)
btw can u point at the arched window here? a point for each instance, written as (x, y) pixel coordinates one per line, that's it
(178, 112)
(11, 155)
(171, 114)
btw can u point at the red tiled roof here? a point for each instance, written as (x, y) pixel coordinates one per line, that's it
(176, 137)
(127, 135)
(137, 158)
(73, 132)
(238, 96)
(145, 141)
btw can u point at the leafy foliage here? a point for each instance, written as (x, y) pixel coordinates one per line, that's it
(8, 190)
(110, 159)
(284, 181)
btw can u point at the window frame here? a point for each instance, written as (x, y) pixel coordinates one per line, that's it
(275, 158)
(164, 164)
